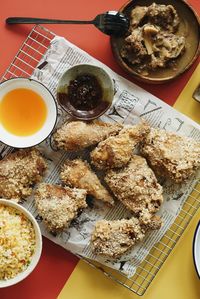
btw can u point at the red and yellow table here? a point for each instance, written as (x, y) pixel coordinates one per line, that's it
(59, 274)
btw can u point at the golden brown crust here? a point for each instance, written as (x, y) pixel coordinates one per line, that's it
(19, 171)
(77, 135)
(116, 151)
(113, 238)
(170, 155)
(137, 188)
(77, 173)
(58, 206)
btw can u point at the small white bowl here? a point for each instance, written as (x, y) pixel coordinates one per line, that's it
(196, 249)
(32, 140)
(38, 248)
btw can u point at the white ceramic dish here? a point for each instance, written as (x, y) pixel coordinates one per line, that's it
(28, 141)
(38, 248)
(196, 249)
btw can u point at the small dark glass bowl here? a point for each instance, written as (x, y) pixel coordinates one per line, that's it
(106, 83)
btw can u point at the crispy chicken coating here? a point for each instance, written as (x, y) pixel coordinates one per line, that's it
(113, 238)
(170, 155)
(19, 171)
(116, 151)
(58, 206)
(137, 188)
(77, 173)
(77, 135)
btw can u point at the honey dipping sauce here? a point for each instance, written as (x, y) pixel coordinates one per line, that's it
(22, 112)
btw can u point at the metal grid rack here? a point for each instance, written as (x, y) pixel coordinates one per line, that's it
(30, 53)
(23, 65)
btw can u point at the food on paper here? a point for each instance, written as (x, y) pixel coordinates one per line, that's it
(137, 188)
(77, 173)
(153, 41)
(77, 135)
(116, 151)
(17, 242)
(58, 205)
(114, 238)
(19, 171)
(20, 116)
(170, 155)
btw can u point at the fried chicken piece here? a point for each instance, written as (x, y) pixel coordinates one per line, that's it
(154, 224)
(77, 135)
(170, 155)
(19, 171)
(137, 188)
(58, 206)
(77, 173)
(116, 151)
(113, 238)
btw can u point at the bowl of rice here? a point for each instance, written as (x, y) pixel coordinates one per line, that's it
(20, 243)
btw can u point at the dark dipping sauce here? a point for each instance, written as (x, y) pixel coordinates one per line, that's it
(85, 92)
(84, 97)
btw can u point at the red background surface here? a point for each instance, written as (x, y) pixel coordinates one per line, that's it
(56, 264)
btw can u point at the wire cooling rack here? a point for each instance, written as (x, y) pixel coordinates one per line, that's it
(23, 65)
(30, 53)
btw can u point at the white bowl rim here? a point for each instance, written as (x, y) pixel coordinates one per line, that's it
(194, 249)
(38, 249)
(56, 109)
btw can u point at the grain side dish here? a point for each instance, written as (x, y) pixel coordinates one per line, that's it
(17, 242)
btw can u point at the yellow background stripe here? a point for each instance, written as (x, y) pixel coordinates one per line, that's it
(185, 103)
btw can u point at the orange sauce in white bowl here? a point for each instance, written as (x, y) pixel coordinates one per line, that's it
(28, 112)
(23, 112)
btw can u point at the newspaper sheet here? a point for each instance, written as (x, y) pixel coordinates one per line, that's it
(130, 103)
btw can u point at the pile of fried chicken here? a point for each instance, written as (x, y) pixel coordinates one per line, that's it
(130, 178)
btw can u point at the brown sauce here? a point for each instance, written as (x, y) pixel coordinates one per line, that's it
(85, 92)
